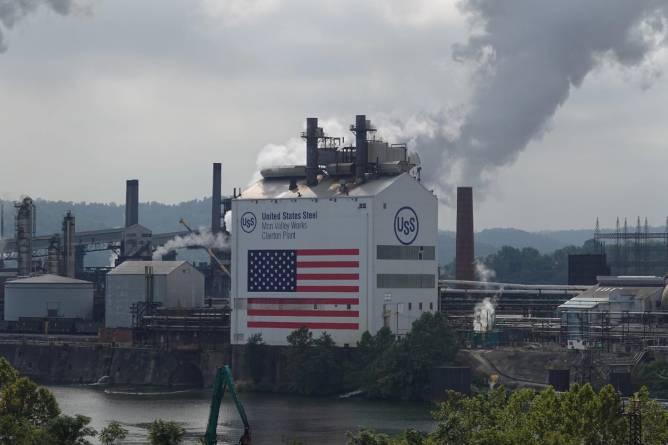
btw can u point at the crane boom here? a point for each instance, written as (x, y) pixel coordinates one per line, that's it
(222, 381)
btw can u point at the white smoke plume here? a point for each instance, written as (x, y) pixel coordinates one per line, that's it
(203, 238)
(484, 273)
(529, 55)
(227, 218)
(484, 314)
(14, 11)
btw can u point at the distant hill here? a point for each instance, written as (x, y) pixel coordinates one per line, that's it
(165, 218)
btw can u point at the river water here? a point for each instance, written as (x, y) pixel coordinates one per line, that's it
(274, 419)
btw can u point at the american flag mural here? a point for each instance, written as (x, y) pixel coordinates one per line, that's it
(316, 288)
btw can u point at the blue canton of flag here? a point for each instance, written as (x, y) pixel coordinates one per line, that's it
(272, 271)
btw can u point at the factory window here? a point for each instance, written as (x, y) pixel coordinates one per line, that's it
(431, 306)
(348, 306)
(420, 306)
(410, 306)
(384, 252)
(405, 281)
(384, 205)
(361, 205)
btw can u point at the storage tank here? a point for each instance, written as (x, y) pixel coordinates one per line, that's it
(48, 296)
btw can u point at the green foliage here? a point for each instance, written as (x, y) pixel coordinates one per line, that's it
(524, 417)
(654, 375)
(113, 433)
(66, 430)
(312, 363)
(7, 373)
(163, 432)
(400, 369)
(255, 357)
(24, 400)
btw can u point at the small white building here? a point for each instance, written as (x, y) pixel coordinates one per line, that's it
(176, 284)
(48, 296)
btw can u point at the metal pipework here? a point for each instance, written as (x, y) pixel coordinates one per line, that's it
(361, 148)
(312, 151)
(216, 198)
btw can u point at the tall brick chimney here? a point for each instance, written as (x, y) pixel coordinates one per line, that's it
(464, 267)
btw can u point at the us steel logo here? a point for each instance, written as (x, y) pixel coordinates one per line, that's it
(406, 225)
(248, 222)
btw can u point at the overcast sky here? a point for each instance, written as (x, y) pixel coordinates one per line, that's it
(158, 90)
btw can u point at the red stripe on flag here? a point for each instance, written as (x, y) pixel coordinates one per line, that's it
(328, 252)
(303, 301)
(297, 325)
(297, 313)
(321, 264)
(328, 276)
(344, 289)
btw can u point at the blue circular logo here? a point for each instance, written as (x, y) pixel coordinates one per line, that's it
(248, 222)
(406, 225)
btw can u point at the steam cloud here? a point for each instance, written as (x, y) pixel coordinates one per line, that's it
(204, 238)
(484, 314)
(13, 11)
(484, 273)
(529, 55)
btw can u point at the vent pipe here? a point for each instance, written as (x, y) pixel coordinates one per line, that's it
(361, 148)
(131, 202)
(216, 198)
(465, 257)
(312, 151)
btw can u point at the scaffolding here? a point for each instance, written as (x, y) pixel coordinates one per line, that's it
(634, 251)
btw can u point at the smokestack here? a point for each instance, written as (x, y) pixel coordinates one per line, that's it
(361, 151)
(311, 151)
(2, 219)
(464, 267)
(25, 214)
(216, 199)
(131, 202)
(69, 262)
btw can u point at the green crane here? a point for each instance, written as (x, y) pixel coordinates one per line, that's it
(224, 380)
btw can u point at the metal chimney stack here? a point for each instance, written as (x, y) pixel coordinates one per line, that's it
(216, 198)
(25, 230)
(131, 202)
(69, 259)
(312, 151)
(361, 148)
(465, 257)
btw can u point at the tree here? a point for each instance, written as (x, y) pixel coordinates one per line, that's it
(66, 430)
(7, 373)
(163, 432)
(255, 357)
(113, 433)
(313, 364)
(23, 399)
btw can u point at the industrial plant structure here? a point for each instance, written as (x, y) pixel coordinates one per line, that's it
(343, 244)
(137, 288)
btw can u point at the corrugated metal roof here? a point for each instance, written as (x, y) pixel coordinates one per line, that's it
(46, 279)
(139, 267)
(328, 187)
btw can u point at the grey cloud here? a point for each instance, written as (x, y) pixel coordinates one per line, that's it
(13, 11)
(530, 54)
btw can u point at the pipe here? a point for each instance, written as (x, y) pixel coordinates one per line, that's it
(131, 202)
(361, 148)
(312, 151)
(216, 199)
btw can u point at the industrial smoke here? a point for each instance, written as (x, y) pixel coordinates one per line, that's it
(482, 272)
(203, 238)
(484, 314)
(528, 57)
(13, 11)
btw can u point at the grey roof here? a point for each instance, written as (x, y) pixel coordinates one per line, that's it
(139, 267)
(594, 296)
(328, 187)
(47, 279)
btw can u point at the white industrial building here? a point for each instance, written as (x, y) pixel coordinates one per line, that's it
(175, 284)
(48, 296)
(337, 247)
(608, 303)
